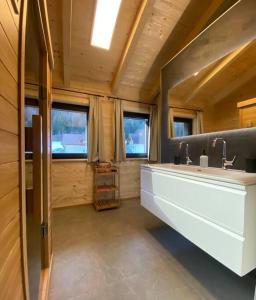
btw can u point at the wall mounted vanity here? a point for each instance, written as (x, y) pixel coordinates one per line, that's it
(213, 208)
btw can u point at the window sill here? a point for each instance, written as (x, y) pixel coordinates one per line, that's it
(137, 158)
(62, 160)
(69, 159)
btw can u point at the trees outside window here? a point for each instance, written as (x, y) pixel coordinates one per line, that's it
(136, 129)
(69, 131)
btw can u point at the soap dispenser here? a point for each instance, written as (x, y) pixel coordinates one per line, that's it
(204, 160)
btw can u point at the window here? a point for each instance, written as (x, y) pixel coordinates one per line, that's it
(69, 130)
(136, 134)
(31, 108)
(182, 126)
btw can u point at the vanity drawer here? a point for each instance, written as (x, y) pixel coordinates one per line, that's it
(219, 204)
(223, 245)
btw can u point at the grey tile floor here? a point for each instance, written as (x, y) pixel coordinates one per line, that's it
(128, 253)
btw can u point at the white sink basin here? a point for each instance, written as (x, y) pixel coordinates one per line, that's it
(230, 175)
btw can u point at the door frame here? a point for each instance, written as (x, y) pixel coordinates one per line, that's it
(46, 45)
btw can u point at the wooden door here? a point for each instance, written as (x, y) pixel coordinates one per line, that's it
(34, 212)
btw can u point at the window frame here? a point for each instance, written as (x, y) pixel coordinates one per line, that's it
(184, 120)
(70, 107)
(137, 115)
(32, 102)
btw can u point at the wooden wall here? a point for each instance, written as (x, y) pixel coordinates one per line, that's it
(11, 278)
(247, 113)
(72, 180)
(224, 115)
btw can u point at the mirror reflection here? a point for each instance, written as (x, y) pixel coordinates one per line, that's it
(220, 97)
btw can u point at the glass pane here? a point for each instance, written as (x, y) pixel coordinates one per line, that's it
(69, 131)
(136, 135)
(29, 112)
(182, 128)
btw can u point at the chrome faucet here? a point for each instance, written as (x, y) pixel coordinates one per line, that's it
(225, 163)
(188, 160)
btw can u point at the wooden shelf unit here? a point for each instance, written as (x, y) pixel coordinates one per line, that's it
(110, 189)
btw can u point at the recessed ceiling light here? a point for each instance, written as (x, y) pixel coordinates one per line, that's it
(104, 22)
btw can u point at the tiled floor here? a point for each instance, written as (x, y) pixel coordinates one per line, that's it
(129, 254)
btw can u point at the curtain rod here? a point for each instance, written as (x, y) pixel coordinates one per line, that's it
(194, 109)
(97, 95)
(91, 94)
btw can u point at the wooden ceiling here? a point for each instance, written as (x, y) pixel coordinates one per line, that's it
(148, 33)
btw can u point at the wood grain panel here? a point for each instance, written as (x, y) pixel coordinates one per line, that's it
(72, 183)
(9, 25)
(9, 116)
(29, 175)
(8, 86)
(9, 206)
(17, 293)
(11, 281)
(7, 55)
(11, 268)
(8, 237)
(9, 178)
(9, 147)
(15, 16)
(130, 178)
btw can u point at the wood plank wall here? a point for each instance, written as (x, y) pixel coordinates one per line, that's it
(11, 283)
(72, 181)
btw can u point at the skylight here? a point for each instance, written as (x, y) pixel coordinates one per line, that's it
(104, 22)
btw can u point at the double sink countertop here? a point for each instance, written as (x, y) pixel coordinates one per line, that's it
(230, 175)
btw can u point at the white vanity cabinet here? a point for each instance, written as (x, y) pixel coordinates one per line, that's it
(215, 209)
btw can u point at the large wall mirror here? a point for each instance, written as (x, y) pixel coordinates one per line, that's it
(209, 85)
(219, 97)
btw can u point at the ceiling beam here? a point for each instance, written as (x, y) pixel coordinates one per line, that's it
(141, 18)
(234, 85)
(217, 70)
(66, 39)
(199, 26)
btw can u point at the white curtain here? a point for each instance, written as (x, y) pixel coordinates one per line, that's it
(119, 143)
(95, 131)
(153, 147)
